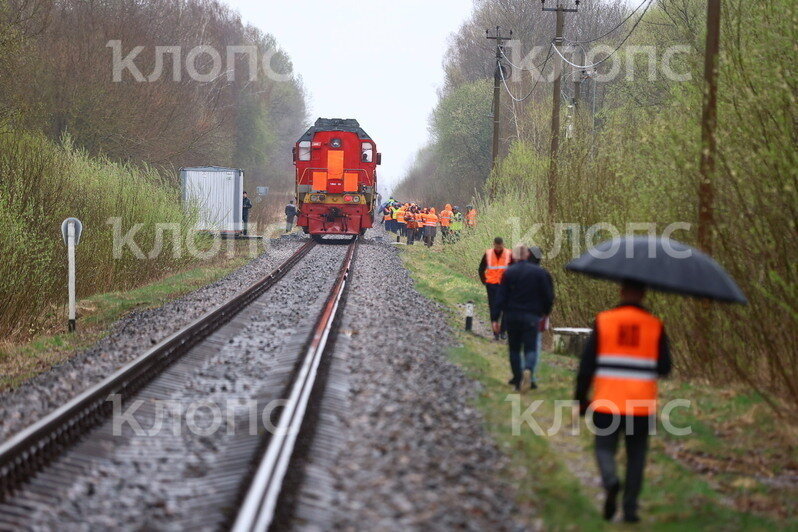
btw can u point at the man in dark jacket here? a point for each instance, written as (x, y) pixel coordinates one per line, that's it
(525, 295)
(245, 207)
(532, 359)
(290, 214)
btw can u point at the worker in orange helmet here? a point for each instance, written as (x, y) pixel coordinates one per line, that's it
(446, 222)
(430, 227)
(623, 358)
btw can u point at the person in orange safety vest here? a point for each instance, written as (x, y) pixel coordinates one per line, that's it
(446, 222)
(494, 263)
(624, 357)
(430, 227)
(471, 216)
(400, 222)
(411, 219)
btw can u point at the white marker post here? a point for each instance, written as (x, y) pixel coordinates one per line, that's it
(469, 316)
(71, 228)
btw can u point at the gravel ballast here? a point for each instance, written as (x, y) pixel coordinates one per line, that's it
(410, 450)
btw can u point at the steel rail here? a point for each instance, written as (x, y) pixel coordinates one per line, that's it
(258, 508)
(30, 450)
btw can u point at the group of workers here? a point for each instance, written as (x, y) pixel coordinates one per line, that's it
(625, 354)
(416, 223)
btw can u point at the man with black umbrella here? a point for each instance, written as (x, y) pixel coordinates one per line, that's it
(628, 349)
(624, 356)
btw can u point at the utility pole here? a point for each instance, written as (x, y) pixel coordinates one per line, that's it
(706, 191)
(555, 110)
(709, 120)
(578, 77)
(497, 83)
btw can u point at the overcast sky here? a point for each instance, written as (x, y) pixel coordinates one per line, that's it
(379, 61)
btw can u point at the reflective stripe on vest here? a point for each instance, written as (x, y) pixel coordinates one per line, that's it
(496, 265)
(431, 220)
(471, 218)
(400, 216)
(627, 353)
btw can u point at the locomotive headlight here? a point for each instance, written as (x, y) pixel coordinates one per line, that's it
(317, 198)
(355, 199)
(348, 199)
(336, 143)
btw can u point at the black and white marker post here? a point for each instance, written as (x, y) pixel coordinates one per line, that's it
(71, 228)
(469, 324)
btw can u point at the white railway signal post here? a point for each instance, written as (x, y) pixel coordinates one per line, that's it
(71, 228)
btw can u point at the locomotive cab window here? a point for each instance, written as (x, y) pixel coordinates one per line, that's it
(367, 152)
(304, 150)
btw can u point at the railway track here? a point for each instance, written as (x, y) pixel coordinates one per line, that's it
(32, 452)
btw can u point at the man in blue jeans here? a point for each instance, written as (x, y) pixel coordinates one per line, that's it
(525, 295)
(532, 359)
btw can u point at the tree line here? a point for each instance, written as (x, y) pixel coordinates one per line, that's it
(75, 141)
(629, 152)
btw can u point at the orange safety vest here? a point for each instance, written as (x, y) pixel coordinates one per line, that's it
(496, 265)
(400, 216)
(386, 216)
(446, 217)
(410, 220)
(431, 220)
(471, 218)
(628, 350)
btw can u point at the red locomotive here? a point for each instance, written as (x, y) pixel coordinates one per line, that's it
(336, 178)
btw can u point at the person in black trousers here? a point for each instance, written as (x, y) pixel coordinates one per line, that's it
(525, 295)
(245, 207)
(494, 263)
(624, 356)
(290, 215)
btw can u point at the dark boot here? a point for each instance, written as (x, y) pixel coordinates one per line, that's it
(611, 502)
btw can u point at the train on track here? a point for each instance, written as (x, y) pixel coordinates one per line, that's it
(336, 178)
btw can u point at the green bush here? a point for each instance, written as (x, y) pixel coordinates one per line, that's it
(41, 184)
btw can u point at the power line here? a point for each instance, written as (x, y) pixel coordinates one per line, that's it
(621, 23)
(597, 63)
(507, 88)
(518, 67)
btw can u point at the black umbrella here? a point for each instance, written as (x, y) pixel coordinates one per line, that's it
(661, 264)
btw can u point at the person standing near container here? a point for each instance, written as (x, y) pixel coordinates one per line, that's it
(246, 205)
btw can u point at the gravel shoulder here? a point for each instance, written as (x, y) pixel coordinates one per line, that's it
(128, 339)
(409, 449)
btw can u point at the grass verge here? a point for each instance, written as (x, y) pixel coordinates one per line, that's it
(96, 315)
(736, 471)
